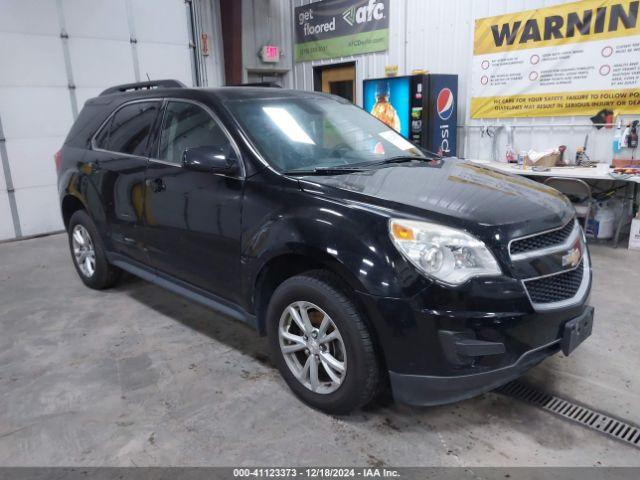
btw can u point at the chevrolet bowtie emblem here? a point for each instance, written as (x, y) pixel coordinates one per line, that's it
(572, 257)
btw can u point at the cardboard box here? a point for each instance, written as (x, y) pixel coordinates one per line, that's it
(621, 163)
(550, 160)
(634, 236)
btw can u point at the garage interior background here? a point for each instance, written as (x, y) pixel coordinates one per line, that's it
(71, 50)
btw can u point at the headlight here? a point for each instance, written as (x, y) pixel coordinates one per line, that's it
(446, 254)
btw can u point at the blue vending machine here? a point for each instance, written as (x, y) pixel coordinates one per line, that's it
(423, 108)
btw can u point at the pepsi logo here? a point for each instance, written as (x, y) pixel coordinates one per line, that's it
(445, 104)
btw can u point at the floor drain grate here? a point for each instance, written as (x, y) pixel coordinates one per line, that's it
(610, 426)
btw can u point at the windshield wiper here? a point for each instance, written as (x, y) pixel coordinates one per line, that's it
(325, 171)
(404, 159)
(398, 159)
(391, 160)
(357, 167)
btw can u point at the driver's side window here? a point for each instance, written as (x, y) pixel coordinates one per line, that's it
(187, 125)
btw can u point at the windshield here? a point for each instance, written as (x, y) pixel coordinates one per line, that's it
(308, 133)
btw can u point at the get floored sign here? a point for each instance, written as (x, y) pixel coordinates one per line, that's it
(572, 59)
(340, 28)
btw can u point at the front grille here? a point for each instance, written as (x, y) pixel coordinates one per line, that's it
(556, 288)
(543, 240)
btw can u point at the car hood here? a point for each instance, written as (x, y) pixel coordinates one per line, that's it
(456, 189)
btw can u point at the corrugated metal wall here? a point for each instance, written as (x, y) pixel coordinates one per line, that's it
(266, 22)
(437, 35)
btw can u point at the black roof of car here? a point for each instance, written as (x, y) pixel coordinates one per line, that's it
(246, 93)
(169, 87)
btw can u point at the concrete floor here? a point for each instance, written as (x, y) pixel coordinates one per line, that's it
(139, 376)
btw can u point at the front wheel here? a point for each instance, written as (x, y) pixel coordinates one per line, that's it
(321, 344)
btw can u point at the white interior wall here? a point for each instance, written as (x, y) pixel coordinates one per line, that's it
(36, 103)
(437, 35)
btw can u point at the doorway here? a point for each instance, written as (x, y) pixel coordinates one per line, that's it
(338, 79)
(268, 77)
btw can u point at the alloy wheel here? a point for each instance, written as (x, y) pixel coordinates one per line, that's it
(83, 250)
(312, 347)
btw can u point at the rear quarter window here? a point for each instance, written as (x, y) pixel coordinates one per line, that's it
(128, 130)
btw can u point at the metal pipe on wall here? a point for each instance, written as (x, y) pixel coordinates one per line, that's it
(193, 44)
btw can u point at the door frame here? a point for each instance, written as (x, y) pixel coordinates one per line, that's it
(153, 148)
(319, 69)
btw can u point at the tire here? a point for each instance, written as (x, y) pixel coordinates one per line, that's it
(103, 275)
(319, 294)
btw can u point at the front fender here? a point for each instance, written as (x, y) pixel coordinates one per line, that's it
(350, 240)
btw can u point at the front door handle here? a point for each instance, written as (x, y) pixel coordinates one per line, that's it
(156, 184)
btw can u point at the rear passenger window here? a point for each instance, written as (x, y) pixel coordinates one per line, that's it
(187, 126)
(128, 130)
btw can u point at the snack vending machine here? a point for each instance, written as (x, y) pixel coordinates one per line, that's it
(423, 108)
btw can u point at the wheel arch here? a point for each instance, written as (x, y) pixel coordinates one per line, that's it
(70, 204)
(285, 265)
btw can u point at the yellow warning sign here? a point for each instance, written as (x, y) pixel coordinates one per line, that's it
(571, 59)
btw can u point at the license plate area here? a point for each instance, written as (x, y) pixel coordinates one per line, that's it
(577, 331)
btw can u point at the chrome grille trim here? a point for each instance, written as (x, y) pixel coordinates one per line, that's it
(575, 235)
(576, 299)
(568, 243)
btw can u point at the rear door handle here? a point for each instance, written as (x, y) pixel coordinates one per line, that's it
(156, 184)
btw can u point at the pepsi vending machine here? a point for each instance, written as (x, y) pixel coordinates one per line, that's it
(422, 108)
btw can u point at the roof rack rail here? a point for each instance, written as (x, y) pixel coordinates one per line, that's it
(144, 86)
(258, 84)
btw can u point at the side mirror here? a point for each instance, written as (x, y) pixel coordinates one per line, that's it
(210, 159)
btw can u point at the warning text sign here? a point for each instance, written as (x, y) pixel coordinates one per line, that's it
(572, 59)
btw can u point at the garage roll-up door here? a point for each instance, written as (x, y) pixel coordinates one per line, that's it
(54, 55)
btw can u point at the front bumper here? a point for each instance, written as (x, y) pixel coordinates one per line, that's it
(426, 390)
(442, 356)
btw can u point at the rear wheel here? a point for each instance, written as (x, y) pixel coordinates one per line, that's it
(321, 344)
(88, 254)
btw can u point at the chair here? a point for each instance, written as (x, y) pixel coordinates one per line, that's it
(578, 191)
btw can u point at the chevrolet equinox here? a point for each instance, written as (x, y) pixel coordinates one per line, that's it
(368, 262)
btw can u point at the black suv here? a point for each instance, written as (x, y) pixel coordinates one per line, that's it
(366, 261)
